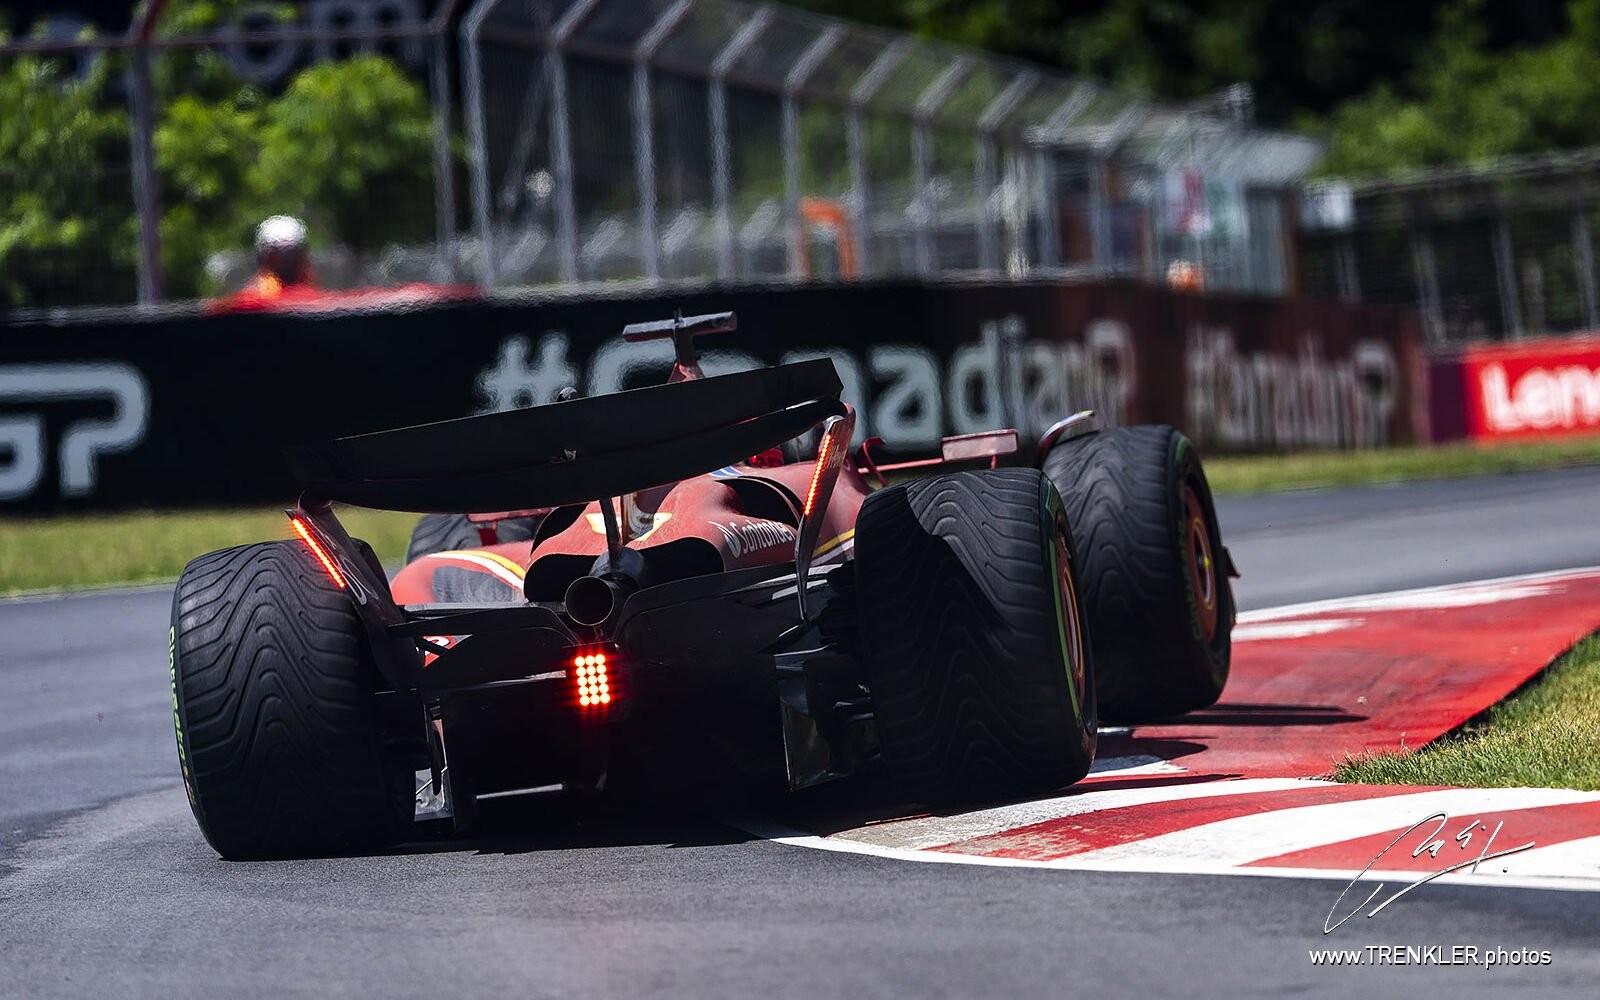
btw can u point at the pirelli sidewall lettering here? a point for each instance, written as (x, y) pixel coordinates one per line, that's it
(184, 409)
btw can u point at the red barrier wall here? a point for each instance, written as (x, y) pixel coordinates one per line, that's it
(1539, 388)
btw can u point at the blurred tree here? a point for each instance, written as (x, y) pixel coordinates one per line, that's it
(204, 150)
(65, 209)
(203, 72)
(348, 146)
(1469, 103)
(1299, 57)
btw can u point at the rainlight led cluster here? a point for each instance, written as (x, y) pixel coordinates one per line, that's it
(592, 686)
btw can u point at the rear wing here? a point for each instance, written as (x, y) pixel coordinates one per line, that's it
(573, 451)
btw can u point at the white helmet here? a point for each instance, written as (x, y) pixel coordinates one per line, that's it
(281, 248)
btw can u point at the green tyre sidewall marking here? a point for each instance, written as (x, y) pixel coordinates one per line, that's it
(1052, 509)
(1191, 599)
(177, 715)
(1215, 662)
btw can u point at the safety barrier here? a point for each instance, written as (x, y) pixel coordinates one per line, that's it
(183, 409)
(1535, 388)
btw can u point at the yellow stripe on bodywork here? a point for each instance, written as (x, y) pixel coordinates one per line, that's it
(835, 542)
(520, 571)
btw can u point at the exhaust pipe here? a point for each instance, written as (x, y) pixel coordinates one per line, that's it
(593, 600)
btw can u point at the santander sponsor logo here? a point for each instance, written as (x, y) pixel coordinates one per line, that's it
(1541, 398)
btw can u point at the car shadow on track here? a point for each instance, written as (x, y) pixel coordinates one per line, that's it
(1247, 714)
(553, 824)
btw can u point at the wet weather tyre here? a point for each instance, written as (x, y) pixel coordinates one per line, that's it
(453, 532)
(1155, 584)
(973, 646)
(273, 701)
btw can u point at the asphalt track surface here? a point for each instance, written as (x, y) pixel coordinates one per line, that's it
(107, 888)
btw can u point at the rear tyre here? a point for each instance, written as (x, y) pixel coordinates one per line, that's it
(273, 702)
(452, 532)
(1153, 568)
(973, 644)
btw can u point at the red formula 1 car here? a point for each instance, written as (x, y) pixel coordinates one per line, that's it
(629, 591)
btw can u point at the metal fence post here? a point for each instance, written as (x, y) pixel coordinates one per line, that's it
(644, 172)
(1583, 247)
(721, 156)
(146, 193)
(855, 141)
(644, 160)
(146, 196)
(1100, 215)
(988, 153)
(1346, 276)
(1506, 271)
(1049, 212)
(928, 102)
(444, 180)
(561, 138)
(477, 140)
(1427, 271)
(796, 78)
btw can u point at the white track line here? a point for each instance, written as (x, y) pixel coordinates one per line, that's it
(1450, 595)
(1139, 765)
(933, 831)
(1262, 631)
(793, 838)
(1244, 839)
(1581, 857)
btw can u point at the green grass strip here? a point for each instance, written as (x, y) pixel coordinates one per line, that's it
(1267, 473)
(98, 549)
(1545, 736)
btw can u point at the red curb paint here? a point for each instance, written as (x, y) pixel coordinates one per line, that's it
(1069, 835)
(1458, 839)
(1294, 707)
(1310, 685)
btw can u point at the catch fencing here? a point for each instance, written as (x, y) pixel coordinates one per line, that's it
(597, 142)
(184, 410)
(660, 140)
(141, 158)
(1499, 252)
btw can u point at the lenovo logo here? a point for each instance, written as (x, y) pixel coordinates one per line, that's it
(24, 389)
(1564, 398)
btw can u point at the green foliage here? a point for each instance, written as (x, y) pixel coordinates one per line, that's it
(202, 72)
(348, 146)
(65, 205)
(1299, 57)
(203, 154)
(1395, 85)
(1468, 103)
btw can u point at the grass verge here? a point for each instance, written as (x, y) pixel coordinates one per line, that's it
(1266, 473)
(1547, 735)
(98, 549)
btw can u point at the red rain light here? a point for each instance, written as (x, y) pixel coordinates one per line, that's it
(816, 473)
(594, 688)
(318, 551)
